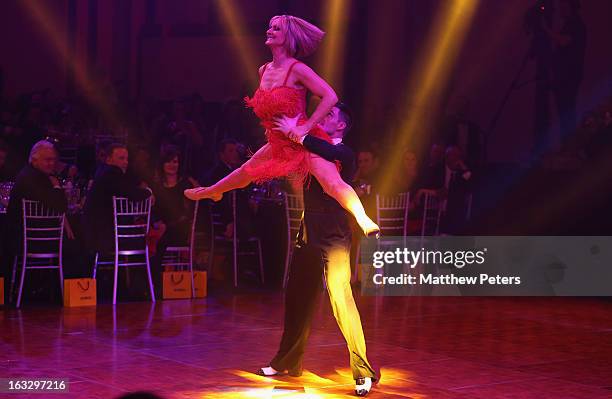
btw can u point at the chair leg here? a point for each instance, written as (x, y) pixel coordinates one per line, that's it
(261, 268)
(191, 272)
(95, 265)
(149, 275)
(151, 314)
(115, 278)
(438, 221)
(23, 269)
(288, 258)
(235, 249)
(12, 287)
(211, 255)
(61, 277)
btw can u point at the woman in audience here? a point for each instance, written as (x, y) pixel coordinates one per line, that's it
(405, 180)
(172, 212)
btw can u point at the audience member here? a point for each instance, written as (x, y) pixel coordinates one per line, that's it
(110, 180)
(433, 171)
(458, 129)
(172, 213)
(183, 133)
(366, 177)
(101, 155)
(140, 168)
(5, 172)
(406, 178)
(34, 182)
(599, 131)
(456, 188)
(449, 181)
(228, 159)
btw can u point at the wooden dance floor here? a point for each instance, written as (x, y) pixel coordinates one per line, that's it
(424, 347)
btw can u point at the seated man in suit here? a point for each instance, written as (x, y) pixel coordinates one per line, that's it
(451, 185)
(432, 172)
(458, 182)
(110, 180)
(459, 130)
(367, 179)
(34, 182)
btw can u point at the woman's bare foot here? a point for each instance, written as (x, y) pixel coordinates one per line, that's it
(199, 193)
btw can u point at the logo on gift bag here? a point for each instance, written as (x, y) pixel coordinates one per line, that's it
(177, 285)
(79, 292)
(178, 282)
(85, 289)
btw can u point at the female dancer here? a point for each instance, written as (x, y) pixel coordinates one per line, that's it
(282, 92)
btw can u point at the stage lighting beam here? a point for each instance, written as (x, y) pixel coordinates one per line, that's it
(427, 84)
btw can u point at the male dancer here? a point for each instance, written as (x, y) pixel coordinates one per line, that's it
(325, 244)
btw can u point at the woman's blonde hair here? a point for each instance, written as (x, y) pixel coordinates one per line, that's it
(301, 38)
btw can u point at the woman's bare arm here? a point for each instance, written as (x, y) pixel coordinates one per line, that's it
(319, 87)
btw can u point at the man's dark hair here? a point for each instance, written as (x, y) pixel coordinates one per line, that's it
(344, 112)
(223, 143)
(112, 147)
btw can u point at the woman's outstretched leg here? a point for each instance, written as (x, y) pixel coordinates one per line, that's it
(239, 178)
(331, 182)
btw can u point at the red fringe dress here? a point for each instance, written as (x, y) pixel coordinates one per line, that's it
(285, 157)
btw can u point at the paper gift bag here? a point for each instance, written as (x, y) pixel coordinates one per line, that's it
(1, 290)
(79, 292)
(199, 280)
(177, 285)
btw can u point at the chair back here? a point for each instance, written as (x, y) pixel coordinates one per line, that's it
(43, 230)
(218, 226)
(392, 213)
(294, 210)
(432, 212)
(131, 220)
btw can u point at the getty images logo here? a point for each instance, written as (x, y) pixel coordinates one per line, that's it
(405, 256)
